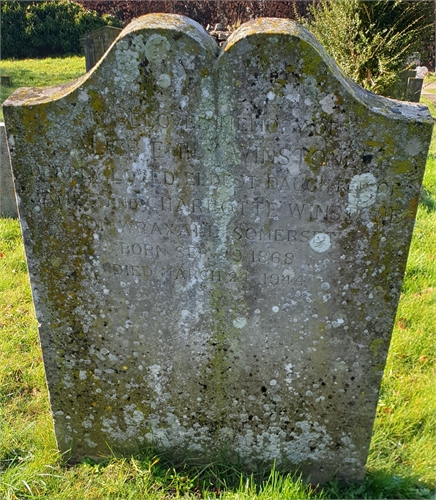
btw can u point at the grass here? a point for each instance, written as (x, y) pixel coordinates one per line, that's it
(402, 458)
(430, 78)
(39, 73)
(429, 91)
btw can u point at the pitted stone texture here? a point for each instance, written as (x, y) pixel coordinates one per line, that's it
(8, 205)
(216, 242)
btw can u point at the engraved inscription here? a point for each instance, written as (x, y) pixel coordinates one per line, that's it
(183, 273)
(277, 234)
(175, 273)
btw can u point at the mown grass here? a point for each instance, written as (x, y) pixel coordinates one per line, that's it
(402, 458)
(39, 73)
(428, 80)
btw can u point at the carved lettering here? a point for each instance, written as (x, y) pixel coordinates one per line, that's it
(286, 279)
(277, 234)
(128, 270)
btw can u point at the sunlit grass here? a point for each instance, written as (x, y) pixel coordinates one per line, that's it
(39, 73)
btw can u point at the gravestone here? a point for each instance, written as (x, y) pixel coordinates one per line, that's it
(6, 80)
(414, 88)
(216, 241)
(8, 205)
(95, 44)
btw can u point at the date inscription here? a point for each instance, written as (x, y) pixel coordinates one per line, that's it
(155, 252)
(206, 275)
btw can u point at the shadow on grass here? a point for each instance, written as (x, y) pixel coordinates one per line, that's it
(381, 485)
(213, 479)
(428, 200)
(187, 476)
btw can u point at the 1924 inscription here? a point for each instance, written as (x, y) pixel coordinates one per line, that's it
(160, 274)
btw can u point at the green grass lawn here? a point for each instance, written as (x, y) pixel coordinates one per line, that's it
(429, 79)
(402, 457)
(39, 73)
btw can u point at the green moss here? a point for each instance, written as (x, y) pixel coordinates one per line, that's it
(375, 345)
(315, 159)
(312, 59)
(97, 101)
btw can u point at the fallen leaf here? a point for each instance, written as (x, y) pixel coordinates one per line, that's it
(402, 323)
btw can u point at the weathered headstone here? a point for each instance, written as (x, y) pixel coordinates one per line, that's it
(8, 205)
(95, 44)
(6, 80)
(414, 88)
(216, 242)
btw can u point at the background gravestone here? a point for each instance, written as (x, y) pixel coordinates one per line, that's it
(216, 242)
(8, 205)
(95, 44)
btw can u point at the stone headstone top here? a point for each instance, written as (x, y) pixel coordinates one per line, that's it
(6, 80)
(95, 44)
(216, 241)
(421, 71)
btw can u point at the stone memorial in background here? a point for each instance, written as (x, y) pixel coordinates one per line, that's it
(216, 240)
(97, 42)
(8, 205)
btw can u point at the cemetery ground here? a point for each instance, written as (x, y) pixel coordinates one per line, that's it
(39, 73)
(402, 457)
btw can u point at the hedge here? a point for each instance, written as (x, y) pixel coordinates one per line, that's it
(40, 29)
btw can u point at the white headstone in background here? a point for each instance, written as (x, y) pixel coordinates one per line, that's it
(421, 71)
(216, 242)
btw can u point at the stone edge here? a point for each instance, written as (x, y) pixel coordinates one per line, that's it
(29, 96)
(263, 26)
(391, 108)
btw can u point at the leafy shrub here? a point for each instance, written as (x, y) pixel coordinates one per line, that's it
(32, 29)
(228, 12)
(13, 24)
(371, 40)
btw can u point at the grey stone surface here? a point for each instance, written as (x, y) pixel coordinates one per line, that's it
(95, 44)
(414, 87)
(216, 241)
(8, 204)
